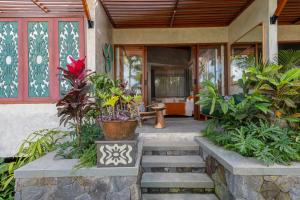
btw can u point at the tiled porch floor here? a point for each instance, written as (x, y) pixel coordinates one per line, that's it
(173, 125)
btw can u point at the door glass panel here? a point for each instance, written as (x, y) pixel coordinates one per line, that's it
(211, 66)
(8, 59)
(239, 60)
(38, 59)
(130, 65)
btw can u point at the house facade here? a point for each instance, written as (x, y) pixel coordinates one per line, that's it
(164, 49)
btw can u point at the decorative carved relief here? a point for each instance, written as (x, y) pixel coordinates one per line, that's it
(68, 46)
(38, 59)
(8, 59)
(116, 154)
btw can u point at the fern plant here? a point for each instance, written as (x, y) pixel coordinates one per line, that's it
(34, 146)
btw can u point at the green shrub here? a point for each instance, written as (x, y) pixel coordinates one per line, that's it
(90, 132)
(264, 120)
(267, 142)
(233, 111)
(34, 146)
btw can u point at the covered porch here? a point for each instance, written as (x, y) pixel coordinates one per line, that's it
(212, 32)
(164, 50)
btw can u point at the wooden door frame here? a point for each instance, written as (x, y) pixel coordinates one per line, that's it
(197, 114)
(144, 71)
(195, 51)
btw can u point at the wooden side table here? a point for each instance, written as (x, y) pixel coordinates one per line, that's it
(160, 119)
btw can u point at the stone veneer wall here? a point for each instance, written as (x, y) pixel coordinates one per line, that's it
(241, 187)
(78, 188)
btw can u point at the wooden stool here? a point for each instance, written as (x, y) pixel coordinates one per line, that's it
(160, 119)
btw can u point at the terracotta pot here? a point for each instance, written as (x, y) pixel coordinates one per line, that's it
(119, 130)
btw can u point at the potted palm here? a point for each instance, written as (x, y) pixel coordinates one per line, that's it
(118, 111)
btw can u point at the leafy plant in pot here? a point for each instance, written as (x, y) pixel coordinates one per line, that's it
(119, 113)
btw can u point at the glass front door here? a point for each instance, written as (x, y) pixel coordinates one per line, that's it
(210, 66)
(130, 67)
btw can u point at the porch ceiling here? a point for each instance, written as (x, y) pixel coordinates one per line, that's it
(41, 8)
(185, 13)
(173, 13)
(291, 13)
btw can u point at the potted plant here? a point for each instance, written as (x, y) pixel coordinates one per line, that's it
(119, 114)
(118, 111)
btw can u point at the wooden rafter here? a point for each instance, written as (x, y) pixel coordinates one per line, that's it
(40, 5)
(174, 13)
(41, 8)
(297, 21)
(107, 13)
(281, 5)
(87, 13)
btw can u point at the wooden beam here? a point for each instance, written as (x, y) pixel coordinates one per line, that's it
(174, 13)
(87, 13)
(41, 6)
(280, 7)
(107, 13)
(297, 21)
(278, 11)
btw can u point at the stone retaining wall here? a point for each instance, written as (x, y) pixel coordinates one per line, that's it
(48, 178)
(234, 186)
(78, 188)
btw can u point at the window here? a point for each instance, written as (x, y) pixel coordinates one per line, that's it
(211, 66)
(31, 49)
(240, 55)
(169, 82)
(130, 63)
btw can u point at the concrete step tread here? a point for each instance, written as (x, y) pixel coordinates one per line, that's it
(173, 161)
(179, 197)
(169, 145)
(176, 180)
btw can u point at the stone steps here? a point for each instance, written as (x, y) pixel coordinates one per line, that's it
(179, 197)
(176, 180)
(191, 161)
(173, 169)
(169, 145)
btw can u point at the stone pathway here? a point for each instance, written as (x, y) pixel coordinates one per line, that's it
(173, 169)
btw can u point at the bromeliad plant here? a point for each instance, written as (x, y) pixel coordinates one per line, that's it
(119, 104)
(76, 103)
(113, 100)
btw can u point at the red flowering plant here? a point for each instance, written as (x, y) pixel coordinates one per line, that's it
(76, 102)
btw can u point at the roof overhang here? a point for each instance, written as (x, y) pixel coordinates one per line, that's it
(187, 13)
(41, 8)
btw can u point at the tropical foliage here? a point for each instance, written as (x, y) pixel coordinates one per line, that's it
(267, 142)
(75, 104)
(113, 99)
(263, 120)
(90, 132)
(36, 145)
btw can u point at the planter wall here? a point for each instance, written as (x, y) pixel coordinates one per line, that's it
(77, 188)
(232, 187)
(237, 177)
(50, 179)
